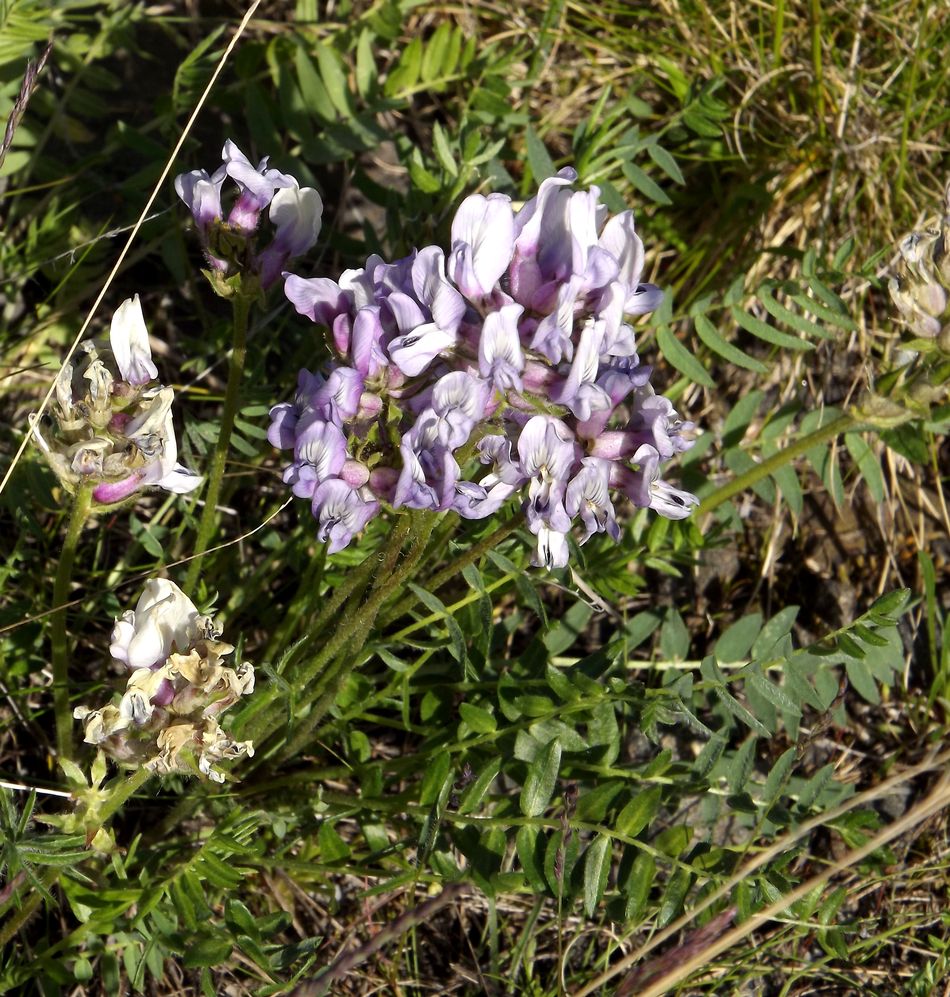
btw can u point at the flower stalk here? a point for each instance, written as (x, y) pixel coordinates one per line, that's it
(328, 670)
(78, 513)
(242, 308)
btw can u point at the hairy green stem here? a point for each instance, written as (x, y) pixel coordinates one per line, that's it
(206, 525)
(357, 617)
(762, 470)
(82, 502)
(351, 589)
(331, 666)
(122, 792)
(457, 564)
(294, 615)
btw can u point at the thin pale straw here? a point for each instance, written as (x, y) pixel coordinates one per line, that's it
(151, 573)
(934, 803)
(19, 787)
(934, 761)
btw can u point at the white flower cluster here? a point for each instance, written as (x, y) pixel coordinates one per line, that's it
(111, 419)
(167, 719)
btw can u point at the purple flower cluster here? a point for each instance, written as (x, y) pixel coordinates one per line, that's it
(510, 355)
(295, 212)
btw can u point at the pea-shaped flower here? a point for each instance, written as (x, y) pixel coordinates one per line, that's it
(235, 244)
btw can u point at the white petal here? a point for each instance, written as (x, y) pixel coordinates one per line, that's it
(129, 339)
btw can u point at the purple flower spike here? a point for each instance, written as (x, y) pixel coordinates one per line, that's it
(528, 313)
(483, 238)
(341, 512)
